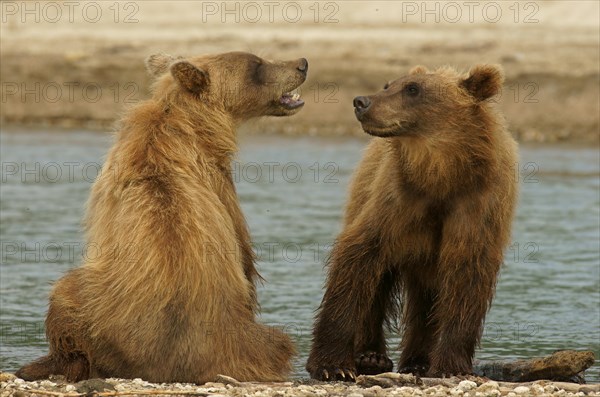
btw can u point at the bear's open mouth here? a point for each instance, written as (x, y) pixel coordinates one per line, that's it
(291, 100)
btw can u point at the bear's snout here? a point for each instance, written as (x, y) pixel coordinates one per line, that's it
(303, 66)
(361, 105)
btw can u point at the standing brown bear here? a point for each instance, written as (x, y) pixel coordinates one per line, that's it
(429, 215)
(171, 295)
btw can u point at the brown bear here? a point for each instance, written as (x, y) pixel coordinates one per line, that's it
(171, 295)
(429, 215)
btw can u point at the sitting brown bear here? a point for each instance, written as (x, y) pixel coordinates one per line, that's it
(429, 215)
(172, 296)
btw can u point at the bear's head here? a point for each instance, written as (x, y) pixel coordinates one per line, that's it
(426, 103)
(239, 83)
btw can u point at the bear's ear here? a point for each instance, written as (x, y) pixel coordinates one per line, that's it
(190, 77)
(484, 81)
(419, 69)
(157, 64)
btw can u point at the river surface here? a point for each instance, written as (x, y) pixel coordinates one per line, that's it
(293, 191)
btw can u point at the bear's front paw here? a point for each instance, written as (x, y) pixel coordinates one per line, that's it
(332, 373)
(371, 363)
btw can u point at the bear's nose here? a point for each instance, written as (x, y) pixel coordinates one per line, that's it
(303, 66)
(361, 104)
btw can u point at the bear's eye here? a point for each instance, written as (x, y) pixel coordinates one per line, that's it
(386, 86)
(412, 89)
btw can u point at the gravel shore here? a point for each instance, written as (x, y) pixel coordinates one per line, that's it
(366, 386)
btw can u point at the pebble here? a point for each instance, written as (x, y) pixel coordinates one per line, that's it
(120, 387)
(489, 385)
(521, 390)
(47, 383)
(489, 393)
(537, 389)
(5, 377)
(466, 385)
(142, 383)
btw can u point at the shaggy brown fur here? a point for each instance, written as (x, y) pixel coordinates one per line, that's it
(171, 297)
(429, 215)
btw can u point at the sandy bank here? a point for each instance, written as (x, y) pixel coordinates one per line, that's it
(72, 72)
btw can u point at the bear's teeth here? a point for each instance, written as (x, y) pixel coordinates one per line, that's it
(295, 96)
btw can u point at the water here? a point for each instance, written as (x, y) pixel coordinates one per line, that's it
(292, 191)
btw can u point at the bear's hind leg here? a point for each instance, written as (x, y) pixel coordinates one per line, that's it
(370, 347)
(275, 352)
(74, 368)
(355, 272)
(41, 368)
(419, 329)
(260, 353)
(460, 311)
(65, 336)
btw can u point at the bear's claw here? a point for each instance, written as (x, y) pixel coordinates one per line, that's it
(371, 363)
(336, 374)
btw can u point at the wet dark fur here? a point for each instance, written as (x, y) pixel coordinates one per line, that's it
(429, 215)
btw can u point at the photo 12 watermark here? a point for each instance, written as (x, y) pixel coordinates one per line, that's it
(18, 333)
(515, 332)
(265, 172)
(289, 172)
(69, 92)
(69, 11)
(73, 253)
(470, 11)
(325, 12)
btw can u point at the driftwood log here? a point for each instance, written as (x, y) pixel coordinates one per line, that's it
(392, 379)
(563, 369)
(563, 366)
